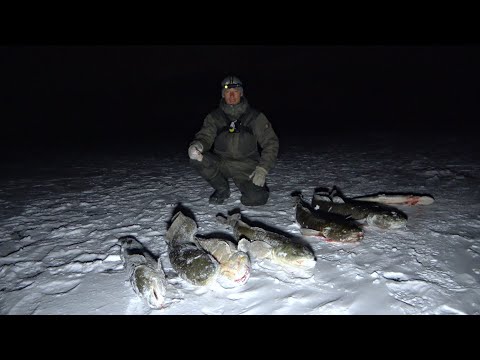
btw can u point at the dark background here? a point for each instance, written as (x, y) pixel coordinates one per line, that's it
(86, 95)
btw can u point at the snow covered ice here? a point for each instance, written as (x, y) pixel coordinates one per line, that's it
(62, 215)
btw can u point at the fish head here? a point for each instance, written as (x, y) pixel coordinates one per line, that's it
(235, 271)
(391, 220)
(294, 255)
(297, 199)
(150, 286)
(229, 220)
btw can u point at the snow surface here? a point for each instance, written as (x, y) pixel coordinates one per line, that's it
(62, 214)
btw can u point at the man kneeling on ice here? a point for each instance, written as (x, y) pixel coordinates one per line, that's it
(227, 147)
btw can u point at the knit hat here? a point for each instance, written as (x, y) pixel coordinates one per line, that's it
(231, 82)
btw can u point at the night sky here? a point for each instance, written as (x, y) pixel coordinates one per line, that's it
(81, 95)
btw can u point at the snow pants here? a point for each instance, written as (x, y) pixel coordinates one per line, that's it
(217, 170)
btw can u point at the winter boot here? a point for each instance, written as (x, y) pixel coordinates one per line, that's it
(253, 195)
(219, 196)
(222, 190)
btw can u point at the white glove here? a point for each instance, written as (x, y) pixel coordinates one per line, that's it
(258, 176)
(195, 151)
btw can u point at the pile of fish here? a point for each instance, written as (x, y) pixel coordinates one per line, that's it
(331, 226)
(201, 260)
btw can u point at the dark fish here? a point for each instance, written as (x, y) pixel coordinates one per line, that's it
(333, 227)
(380, 215)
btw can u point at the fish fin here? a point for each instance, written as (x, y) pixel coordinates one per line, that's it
(322, 197)
(338, 199)
(310, 232)
(337, 193)
(243, 245)
(221, 219)
(177, 214)
(235, 217)
(296, 196)
(197, 242)
(226, 248)
(218, 248)
(127, 240)
(260, 250)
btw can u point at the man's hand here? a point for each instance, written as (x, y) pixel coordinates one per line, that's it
(195, 151)
(258, 176)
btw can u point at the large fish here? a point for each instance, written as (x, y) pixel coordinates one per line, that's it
(264, 244)
(235, 265)
(188, 259)
(398, 199)
(145, 274)
(380, 215)
(333, 227)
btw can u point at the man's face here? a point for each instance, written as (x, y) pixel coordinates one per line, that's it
(232, 96)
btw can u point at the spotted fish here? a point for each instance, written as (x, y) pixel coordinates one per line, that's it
(333, 227)
(145, 274)
(380, 215)
(264, 244)
(192, 263)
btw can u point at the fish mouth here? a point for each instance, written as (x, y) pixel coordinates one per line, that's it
(156, 299)
(231, 278)
(244, 278)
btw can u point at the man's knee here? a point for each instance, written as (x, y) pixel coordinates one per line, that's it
(208, 168)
